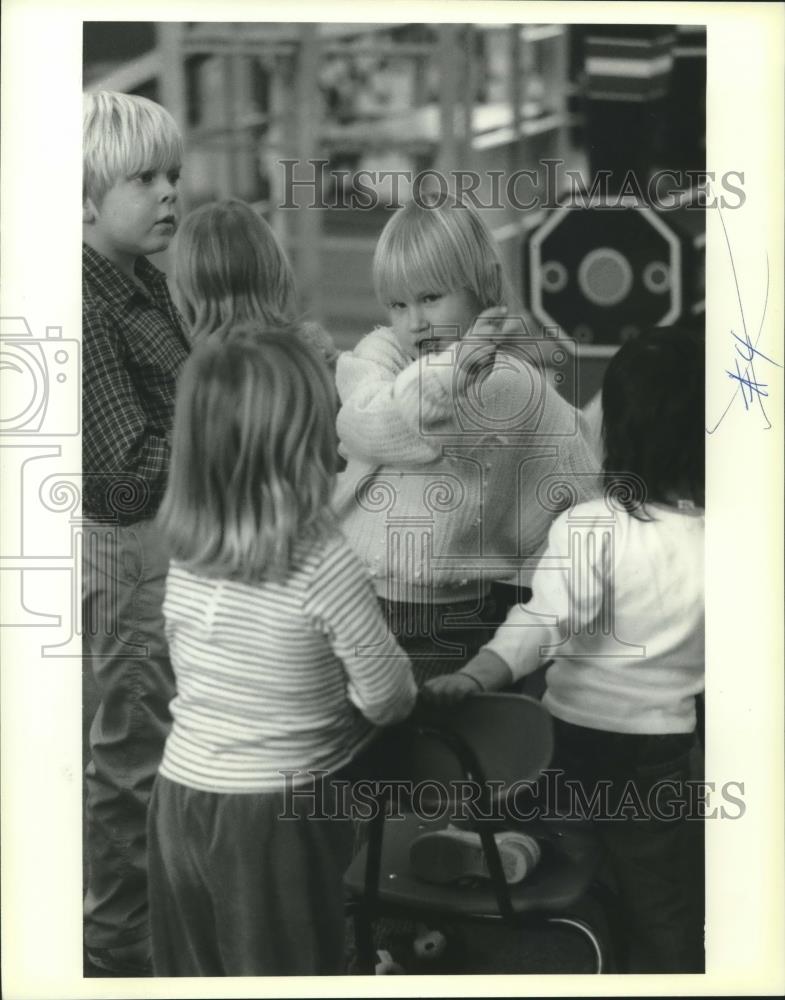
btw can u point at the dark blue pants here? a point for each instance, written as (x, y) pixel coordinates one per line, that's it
(239, 889)
(657, 862)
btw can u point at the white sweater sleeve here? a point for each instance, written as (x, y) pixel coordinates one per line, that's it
(567, 592)
(470, 386)
(341, 604)
(372, 423)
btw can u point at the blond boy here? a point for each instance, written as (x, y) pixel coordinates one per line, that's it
(134, 347)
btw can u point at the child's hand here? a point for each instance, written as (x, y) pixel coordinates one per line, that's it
(478, 351)
(486, 671)
(434, 402)
(448, 690)
(493, 325)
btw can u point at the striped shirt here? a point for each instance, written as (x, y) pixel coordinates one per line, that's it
(276, 677)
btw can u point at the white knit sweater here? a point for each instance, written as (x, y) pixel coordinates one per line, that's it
(439, 496)
(619, 606)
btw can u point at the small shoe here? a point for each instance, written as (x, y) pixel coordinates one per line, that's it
(387, 966)
(449, 855)
(129, 960)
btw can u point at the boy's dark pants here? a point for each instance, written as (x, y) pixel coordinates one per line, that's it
(124, 573)
(657, 861)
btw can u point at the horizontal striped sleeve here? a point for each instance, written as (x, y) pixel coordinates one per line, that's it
(342, 603)
(260, 689)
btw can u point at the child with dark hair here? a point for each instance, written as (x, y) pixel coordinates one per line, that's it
(653, 402)
(618, 606)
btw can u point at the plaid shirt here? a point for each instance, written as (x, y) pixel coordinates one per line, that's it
(133, 349)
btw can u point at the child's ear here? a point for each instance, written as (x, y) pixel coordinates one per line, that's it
(89, 211)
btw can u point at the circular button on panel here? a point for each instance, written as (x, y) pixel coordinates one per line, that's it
(553, 276)
(605, 276)
(657, 277)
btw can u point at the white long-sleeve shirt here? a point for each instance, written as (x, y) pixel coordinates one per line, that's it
(279, 676)
(618, 604)
(440, 492)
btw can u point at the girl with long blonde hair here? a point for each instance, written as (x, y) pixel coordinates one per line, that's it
(267, 612)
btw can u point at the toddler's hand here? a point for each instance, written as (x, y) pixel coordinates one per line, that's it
(435, 403)
(491, 329)
(448, 690)
(492, 324)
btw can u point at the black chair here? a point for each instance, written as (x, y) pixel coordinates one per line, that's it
(498, 743)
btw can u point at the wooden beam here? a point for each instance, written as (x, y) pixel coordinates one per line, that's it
(172, 93)
(449, 95)
(279, 143)
(172, 86)
(515, 96)
(469, 96)
(308, 219)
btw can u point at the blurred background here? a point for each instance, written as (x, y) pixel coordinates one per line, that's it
(494, 99)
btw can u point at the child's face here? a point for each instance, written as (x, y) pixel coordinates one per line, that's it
(136, 217)
(443, 316)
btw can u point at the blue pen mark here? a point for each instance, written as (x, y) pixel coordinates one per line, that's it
(753, 351)
(751, 388)
(748, 385)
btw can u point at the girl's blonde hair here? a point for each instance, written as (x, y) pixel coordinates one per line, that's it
(229, 269)
(253, 454)
(438, 244)
(124, 135)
